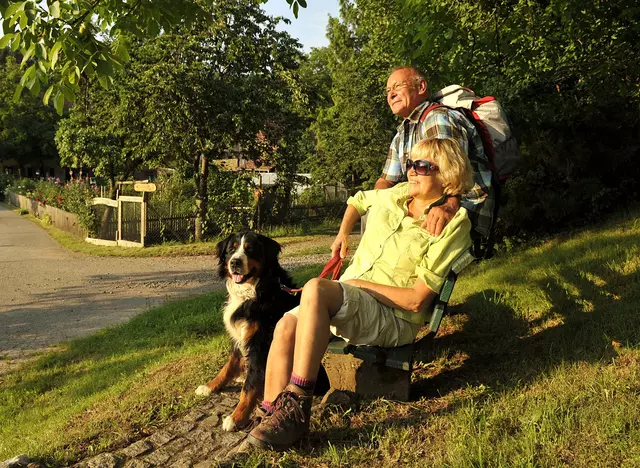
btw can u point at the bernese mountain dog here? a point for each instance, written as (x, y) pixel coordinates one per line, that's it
(257, 298)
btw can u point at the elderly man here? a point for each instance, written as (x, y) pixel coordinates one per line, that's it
(408, 97)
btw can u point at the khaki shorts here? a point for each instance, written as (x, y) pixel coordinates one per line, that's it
(362, 320)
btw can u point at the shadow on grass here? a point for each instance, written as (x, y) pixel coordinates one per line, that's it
(593, 311)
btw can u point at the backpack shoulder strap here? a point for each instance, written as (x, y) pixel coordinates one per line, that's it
(433, 106)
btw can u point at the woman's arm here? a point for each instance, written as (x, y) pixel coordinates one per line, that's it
(341, 243)
(413, 299)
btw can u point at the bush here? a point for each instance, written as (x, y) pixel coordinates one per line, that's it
(232, 204)
(175, 196)
(314, 195)
(74, 197)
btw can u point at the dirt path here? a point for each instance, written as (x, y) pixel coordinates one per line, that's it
(49, 294)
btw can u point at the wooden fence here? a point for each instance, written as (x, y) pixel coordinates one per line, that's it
(61, 219)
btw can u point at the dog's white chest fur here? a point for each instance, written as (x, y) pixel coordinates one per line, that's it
(238, 294)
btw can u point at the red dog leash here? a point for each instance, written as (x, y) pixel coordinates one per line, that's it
(332, 268)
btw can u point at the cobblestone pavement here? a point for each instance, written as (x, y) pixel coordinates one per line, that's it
(197, 440)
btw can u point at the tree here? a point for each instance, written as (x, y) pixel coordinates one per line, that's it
(354, 133)
(27, 127)
(191, 95)
(568, 73)
(71, 39)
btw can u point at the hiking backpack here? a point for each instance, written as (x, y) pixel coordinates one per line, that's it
(492, 124)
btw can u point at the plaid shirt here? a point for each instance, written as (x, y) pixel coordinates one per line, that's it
(443, 122)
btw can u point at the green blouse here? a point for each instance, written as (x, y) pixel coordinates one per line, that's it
(396, 251)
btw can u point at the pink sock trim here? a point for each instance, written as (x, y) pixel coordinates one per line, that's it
(305, 384)
(267, 406)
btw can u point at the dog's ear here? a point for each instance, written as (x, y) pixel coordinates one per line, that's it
(271, 250)
(221, 248)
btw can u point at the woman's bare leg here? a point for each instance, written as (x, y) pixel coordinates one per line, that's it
(321, 300)
(280, 360)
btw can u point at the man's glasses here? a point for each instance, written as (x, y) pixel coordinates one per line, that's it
(421, 166)
(401, 84)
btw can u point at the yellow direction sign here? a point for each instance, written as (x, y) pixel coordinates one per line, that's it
(140, 187)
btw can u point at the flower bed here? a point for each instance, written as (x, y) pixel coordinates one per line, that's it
(73, 198)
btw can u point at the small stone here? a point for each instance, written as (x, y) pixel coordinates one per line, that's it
(182, 427)
(201, 435)
(195, 416)
(104, 460)
(212, 421)
(138, 448)
(178, 445)
(158, 458)
(229, 439)
(137, 464)
(160, 438)
(339, 398)
(182, 462)
(16, 462)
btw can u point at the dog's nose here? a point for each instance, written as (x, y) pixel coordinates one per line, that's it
(235, 262)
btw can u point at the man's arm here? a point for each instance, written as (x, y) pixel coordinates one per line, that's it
(439, 216)
(413, 299)
(383, 184)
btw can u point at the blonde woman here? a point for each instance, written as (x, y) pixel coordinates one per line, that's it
(384, 295)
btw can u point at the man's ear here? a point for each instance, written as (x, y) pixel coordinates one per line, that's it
(423, 87)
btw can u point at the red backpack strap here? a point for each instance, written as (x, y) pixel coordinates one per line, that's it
(436, 105)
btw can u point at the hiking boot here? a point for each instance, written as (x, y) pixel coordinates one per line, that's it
(258, 416)
(288, 423)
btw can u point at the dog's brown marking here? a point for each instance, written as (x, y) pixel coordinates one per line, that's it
(248, 401)
(231, 370)
(254, 264)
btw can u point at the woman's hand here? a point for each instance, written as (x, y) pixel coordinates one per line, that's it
(340, 245)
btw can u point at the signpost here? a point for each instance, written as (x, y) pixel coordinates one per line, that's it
(144, 187)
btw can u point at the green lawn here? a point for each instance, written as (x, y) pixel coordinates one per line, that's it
(538, 364)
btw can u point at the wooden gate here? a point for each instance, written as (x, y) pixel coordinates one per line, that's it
(128, 227)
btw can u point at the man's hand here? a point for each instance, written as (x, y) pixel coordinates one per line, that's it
(439, 216)
(340, 245)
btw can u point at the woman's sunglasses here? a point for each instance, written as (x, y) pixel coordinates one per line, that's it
(421, 166)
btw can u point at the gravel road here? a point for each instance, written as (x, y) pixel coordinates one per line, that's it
(49, 294)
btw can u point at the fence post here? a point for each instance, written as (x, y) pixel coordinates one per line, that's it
(143, 218)
(119, 232)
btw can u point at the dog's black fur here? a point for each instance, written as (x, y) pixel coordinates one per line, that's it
(256, 302)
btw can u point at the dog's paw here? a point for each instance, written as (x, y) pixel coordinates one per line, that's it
(228, 424)
(203, 390)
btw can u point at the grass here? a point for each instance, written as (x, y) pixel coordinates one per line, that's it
(537, 364)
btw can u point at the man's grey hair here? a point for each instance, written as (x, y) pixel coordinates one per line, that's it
(416, 71)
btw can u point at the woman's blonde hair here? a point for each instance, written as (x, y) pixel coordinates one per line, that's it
(454, 169)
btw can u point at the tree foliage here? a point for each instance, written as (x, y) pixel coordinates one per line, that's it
(354, 132)
(67, 40)
(26, 127)
(194, 94)
(569, 75)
